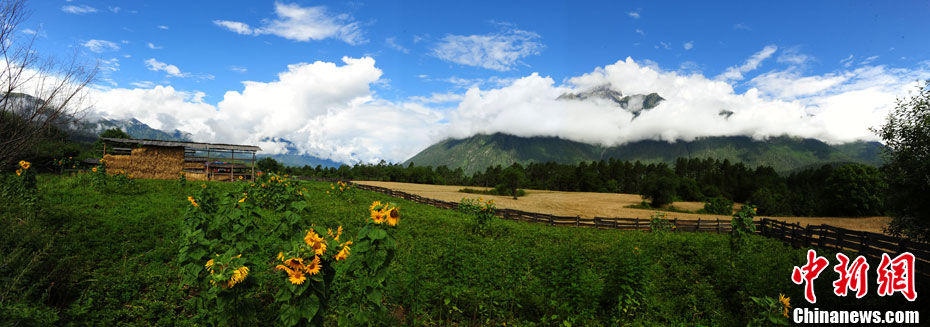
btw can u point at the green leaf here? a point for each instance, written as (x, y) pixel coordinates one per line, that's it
(377, 234)
(311, 306)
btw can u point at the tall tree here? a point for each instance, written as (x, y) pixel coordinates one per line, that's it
(35, 93)
(907, 168)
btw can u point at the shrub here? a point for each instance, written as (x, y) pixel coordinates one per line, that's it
(718, 205)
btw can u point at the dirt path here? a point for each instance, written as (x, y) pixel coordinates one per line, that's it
(589, 205)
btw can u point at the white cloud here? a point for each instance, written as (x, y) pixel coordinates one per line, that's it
(153, 46)
(834, 108)
(100, 46)
(162, 27)
(298, 23)
(438, 98)
(736, 72)
(77, 10)
(633, 14)
(392, 43)
(238, 69)
(110, 65)
(498, 51)
(868, 60)
(238, 27)
(640, 32)
(171, 70)
(793, 56)
(847, 61)
(741, 26)
(688, 45)
(143, 84)
(29, 31)
(114, 10)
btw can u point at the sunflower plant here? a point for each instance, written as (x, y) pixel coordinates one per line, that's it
(769, 311)
(341, 189)
(481, 211)
(308, 275)
(22, 186)
(374, 251)
(659, 223)
(224, 303)
(743, 228)
(272, 191)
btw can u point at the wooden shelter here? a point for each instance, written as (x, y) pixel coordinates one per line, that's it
(155, 159)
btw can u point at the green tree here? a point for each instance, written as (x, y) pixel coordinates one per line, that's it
(268, 164)
(660, 188)
(906, 135)
(512, 178)
(855, 190)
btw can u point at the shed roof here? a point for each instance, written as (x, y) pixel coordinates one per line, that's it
(192, 145)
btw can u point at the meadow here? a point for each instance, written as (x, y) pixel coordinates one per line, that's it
(119, 255)
(593, 204)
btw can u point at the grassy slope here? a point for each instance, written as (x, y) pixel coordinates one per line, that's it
(782, 153)
(112, 263)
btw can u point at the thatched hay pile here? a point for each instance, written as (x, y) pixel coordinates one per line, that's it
(117, 163)
(195, 176)
(154, 162)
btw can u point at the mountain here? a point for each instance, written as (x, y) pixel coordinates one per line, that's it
(635, 103)
(292, 156)
(90, 130)
(782, 153)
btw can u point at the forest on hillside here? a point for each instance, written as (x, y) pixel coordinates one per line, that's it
(828, 190)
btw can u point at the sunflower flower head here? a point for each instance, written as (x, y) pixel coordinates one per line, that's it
(25, 164)
(296, 277)
(786, 304)
(314, 267)
(19, 172)
(393, 216)
(193, 202)
(94, 169)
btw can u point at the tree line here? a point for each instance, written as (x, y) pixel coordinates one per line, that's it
(828, 190)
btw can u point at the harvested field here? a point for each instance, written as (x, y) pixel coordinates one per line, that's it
(589, 205)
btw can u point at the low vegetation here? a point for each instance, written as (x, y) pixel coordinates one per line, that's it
(163, 253)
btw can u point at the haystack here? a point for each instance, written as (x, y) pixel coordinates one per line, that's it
(117, 163)
(155, 162)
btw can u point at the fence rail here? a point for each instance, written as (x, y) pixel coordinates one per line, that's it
(868, 244)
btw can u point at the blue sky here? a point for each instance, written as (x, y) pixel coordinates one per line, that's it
(438, 69)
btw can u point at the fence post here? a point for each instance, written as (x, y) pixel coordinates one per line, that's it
(635, 224)
(551, 223)
(807, 235)
(698, 227)
(675, 223)
(863, 244)
(577, 220)
(902, 246)
(616, 223)
(718, 225)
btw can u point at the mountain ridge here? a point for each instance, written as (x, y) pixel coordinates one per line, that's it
(784, 153)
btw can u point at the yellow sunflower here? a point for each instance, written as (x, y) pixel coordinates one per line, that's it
(238, 276)
(344, 253)
(314, 267)
(94, 169)
(19, 172)
(296, 277)
(377, 216)
(193, 202)
(393, 217)
(786, 304)
(25, 164)
(374, 205)
(295, 263)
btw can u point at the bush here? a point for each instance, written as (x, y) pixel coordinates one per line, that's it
(718, 205)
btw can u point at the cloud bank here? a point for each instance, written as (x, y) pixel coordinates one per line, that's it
(329, 110)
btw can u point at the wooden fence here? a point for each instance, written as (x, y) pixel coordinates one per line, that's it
(868, 244)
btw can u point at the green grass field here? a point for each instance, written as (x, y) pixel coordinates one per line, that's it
(87, 257)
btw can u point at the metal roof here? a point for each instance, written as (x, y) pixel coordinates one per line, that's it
(191, 145)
